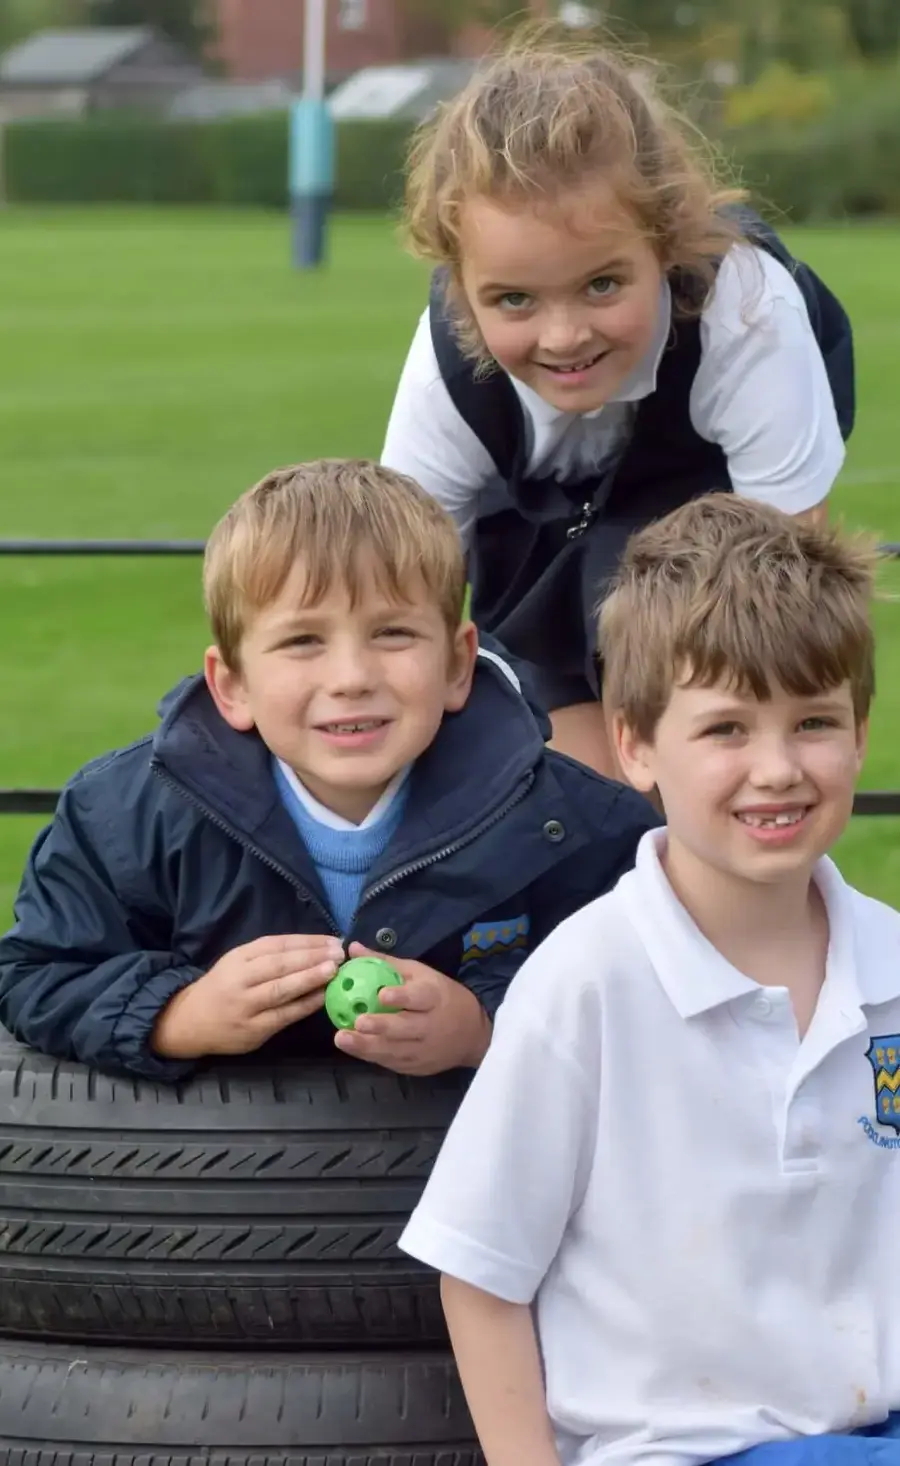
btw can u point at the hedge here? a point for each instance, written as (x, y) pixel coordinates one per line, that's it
(115, 159)
(843, 164)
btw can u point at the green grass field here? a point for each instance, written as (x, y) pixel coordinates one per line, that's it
(155, 364)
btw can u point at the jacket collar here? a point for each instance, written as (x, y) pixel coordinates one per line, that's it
(478, 760)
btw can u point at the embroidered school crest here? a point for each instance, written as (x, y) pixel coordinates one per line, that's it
(487, 938)
(883, 1054)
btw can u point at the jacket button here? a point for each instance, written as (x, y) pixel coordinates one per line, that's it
(386, 937)
(555, 831)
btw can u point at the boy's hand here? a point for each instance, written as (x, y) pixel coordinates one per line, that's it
(251, 993)
(438, 1024)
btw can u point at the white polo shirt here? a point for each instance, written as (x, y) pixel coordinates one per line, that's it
(761, 393)
(704, 1208)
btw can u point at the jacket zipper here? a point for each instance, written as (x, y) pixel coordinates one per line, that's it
(267, 860)
(598, 502)
(416, 865)
(383, 885)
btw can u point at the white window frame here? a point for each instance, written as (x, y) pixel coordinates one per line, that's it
(353, 15)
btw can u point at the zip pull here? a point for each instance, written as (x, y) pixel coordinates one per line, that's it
(588, 515)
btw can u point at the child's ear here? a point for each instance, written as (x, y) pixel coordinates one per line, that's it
(635, 754)
(463, 654)
(227, 690)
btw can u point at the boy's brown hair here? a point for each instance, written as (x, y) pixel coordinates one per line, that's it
(547, 113)
(726, 589)
(337, 518)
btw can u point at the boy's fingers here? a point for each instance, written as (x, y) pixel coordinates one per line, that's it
(274, 956)
(288, 1013)
(412, 997)
(281, 966)
(389, 1028)
(292, 942)
(376, 1049)
(288, 988)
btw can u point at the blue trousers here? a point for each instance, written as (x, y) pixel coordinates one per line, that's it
(874, 1445)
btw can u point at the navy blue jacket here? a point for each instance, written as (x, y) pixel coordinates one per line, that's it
(165, 855)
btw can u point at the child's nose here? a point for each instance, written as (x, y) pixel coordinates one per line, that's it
(564, 331)
(775, 765)
(349, 670)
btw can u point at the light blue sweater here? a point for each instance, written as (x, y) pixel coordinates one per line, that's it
(343, 858)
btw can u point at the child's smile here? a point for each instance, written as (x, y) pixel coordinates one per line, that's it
(576, 375)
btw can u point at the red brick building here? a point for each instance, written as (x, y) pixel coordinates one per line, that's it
(260, 39)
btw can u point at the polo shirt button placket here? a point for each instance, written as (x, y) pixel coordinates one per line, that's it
(772, 1017)
(808, 1119)
(802, 1135)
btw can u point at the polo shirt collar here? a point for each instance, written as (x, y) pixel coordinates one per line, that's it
(877, 934)
(695, 976)
(863, 956)
(640, 383)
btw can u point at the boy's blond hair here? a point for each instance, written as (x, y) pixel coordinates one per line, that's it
(551, 113)
(726, 589)
(339, 519)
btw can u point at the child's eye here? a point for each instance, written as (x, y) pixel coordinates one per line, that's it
(303, 639)
(514, 300)
(723, 730)
(603, 285)
(392, 632)
(816, 725)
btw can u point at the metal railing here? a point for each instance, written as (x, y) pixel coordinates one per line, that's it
(43, 801)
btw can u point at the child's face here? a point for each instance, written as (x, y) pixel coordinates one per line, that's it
(566, 296)
(346, 695)
(754, 790)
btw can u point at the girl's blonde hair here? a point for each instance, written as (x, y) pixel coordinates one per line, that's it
(546, 114)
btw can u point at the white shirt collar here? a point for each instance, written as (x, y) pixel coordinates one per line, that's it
(324, 816)
(863, 954)
(636, 386)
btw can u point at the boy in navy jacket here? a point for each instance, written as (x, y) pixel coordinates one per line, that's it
(348, 775)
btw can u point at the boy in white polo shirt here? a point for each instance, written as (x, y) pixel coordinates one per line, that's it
(667, 1212)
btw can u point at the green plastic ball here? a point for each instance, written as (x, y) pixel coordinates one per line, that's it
(355, 987)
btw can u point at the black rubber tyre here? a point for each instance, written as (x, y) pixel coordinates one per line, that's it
(69, 1407)
(248, 1207)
